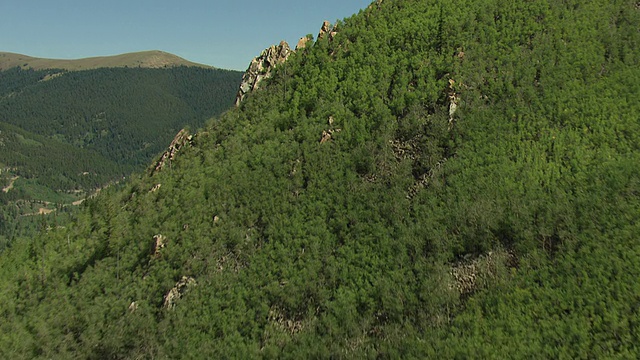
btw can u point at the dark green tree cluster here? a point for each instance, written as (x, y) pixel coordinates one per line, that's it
(57, 165)
(441, 179)
(128, 115)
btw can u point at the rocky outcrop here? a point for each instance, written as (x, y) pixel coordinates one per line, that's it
(182, 139)
(302, 43)
(378, 4)
(261, 68)
(324, 29)
(327, 29)
(8, 188)
(178, 291)
(327, 134)
(159, 242)
(470, 275)
(454, 98)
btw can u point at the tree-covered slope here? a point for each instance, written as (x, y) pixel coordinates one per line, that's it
(55, 164)
(45, 174)
(440, 179)
(64, 134)
(126, 114)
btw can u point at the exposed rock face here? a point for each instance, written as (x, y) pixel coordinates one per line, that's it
(324, 29)
(454, 99)
(261, 68)
(178, 291)
(302, 43)
(327, 29)
(471, 275)
(159, 242)
(133, 306)
(182, 138)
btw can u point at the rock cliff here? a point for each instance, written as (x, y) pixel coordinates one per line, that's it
(262, 66)
(327, 29)
(181, 139)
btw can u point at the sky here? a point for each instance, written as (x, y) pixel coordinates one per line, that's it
(222, 33)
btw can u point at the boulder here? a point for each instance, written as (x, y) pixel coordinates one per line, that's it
(133, 306)
(454, 99)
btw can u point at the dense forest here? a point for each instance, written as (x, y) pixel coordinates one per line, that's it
(128, 115)
(55, 164)
(64, 134)
(47, 174)
(439, 179)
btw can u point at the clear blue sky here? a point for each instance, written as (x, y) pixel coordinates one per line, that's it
(222, 33)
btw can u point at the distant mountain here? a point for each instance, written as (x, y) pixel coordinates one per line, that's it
(153, 59)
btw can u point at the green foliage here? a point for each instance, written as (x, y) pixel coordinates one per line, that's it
(58, 166)
(66, 134)
(504, 230)
(127, 115)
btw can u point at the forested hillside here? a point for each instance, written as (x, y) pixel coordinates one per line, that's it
(55, 164)
(126, 114)
(437, 179)
(64, 134)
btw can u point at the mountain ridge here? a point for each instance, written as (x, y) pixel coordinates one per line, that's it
(145, 59)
